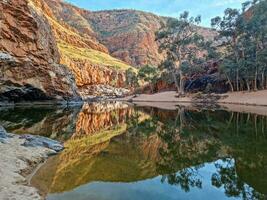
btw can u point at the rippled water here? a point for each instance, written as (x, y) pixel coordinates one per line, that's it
(115, 151)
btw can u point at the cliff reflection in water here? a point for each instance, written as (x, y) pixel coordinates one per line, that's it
(56, 122)
(116, 151)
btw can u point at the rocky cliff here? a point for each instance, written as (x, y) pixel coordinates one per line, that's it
(129, 35)
(88, 59)
(29, 58)
(53, 50)
(43, 58)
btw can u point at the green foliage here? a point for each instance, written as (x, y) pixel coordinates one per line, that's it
(93, 56)
(131, 78)
(181, 42)
(243, 35)
(149, 74)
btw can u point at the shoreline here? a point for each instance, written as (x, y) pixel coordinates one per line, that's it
(249, 109)
(21, 155)
(256, 98)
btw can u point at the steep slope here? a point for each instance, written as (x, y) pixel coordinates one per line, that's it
(129, 35)
(29, 58)
(83, 54)
(69, 26)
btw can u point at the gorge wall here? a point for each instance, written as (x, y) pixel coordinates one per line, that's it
(29, 58)
(84, 55)
(129, 35)
(53, 50)
(42, 58)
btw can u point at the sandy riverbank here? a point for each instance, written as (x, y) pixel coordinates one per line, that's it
(242, 98)
(16, 164)
(258, 98)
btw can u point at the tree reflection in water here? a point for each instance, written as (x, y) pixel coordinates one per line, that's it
(192, 139)
(174, 146)
(226, 177)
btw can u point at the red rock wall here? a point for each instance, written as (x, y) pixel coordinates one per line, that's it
(30, 56)
(88, 74)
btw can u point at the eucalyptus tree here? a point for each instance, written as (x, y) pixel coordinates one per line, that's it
(228, 34)
(181, 43)
(256, 31)
(244, 40)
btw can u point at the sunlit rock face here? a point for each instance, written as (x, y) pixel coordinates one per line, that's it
(128, 34)
(43, 58)
(71, 19)
(29, 58)
(82, 53)
(89, 77)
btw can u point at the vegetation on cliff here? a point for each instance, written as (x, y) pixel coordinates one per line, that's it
(93, 56)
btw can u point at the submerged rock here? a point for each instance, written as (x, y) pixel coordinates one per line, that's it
(3, 133)
(39, 141)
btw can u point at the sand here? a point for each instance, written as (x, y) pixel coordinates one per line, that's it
(246, 98)
(169, 96)
(242, 98)
(16, 163)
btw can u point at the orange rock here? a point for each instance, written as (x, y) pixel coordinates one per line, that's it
(29, 65)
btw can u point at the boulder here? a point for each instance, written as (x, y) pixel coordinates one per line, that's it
(3, 135)
(39, 141)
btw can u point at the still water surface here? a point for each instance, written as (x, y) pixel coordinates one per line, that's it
(116, 151)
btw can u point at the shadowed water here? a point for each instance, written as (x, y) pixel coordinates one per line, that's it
(116, 151)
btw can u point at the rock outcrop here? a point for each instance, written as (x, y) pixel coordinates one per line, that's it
(79, 49)
(40, 141)
(53, 50)
(129, 35)
(29, 58)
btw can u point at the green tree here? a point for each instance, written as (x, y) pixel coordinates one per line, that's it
(256, 33)
(228, 34)
(181, 42)
(243, 37)
(149, 74)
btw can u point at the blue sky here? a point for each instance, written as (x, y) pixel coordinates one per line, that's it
(206, 8)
